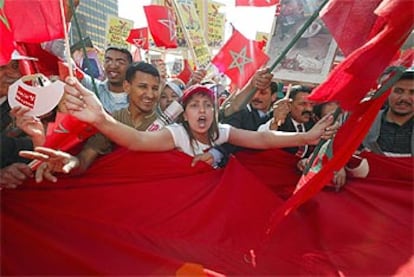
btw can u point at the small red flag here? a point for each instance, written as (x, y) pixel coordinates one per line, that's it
(161, 24)
(257, 3)
(239, 58)
(66, 132)
(31, 21)
(185, 74)
(139, 38)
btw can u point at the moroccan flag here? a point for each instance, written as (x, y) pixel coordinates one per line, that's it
(349, 82)
(162, 26)
(139, 38)
(185, 74)
(257, 3)
(350, 22)
(66, 132)
(239, 58)
(31, 21)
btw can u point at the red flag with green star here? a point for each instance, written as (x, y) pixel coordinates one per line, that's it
(239, 58)
(161, 23)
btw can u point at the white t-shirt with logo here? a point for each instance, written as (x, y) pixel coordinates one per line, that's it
(182, 140)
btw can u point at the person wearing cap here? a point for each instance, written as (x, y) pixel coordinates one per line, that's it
(391, 134)
(198, 132)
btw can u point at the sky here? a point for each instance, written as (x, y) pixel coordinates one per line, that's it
(247, 20)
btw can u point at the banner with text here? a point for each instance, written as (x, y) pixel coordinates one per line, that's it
(193, 31)
(117, 31)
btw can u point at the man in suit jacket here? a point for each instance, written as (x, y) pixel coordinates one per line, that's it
(298, 119)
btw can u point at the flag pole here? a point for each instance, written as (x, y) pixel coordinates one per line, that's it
(85, 54)
(65, 30)
(282, 55)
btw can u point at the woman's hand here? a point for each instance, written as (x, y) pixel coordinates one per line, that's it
(325, 128)
(82, 103)
(31, 125)
(52, 161)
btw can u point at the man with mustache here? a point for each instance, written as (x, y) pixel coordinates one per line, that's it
(392, 131)
(300, 117)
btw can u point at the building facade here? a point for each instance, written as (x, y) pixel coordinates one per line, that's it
(91, 15)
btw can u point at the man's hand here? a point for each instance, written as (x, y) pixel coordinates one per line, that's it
(205, 157)
(14, 175)
(31, 125)
(53, 161)
(197, 77)
(301, 164)
(262, 78)
(323, 129)
(339, 179)
(281, 109)
(82, 103)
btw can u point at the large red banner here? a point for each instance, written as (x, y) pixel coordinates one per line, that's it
(152, 214)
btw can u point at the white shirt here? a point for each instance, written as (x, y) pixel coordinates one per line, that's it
(182, 140)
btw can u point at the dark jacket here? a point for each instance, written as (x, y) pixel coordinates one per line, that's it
(5, 118)
(10, 148)
(288, 126)
(247, 119)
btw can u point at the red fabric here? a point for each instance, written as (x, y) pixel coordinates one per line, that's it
(239, 58)
(346, 233)
(152, 214)
(6, 38)
(350, 22)
(161, 24)
(47, 63)
(64, 71)
(139, 38)
(346, 142)
(349, 82)
(67, 131)
(185, 74)
(31, 21)
(257, 3)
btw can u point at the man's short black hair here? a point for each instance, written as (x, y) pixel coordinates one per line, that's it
(143, 67)
(274, 87)
(408, 75)
(122, 50)
(297, 89)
